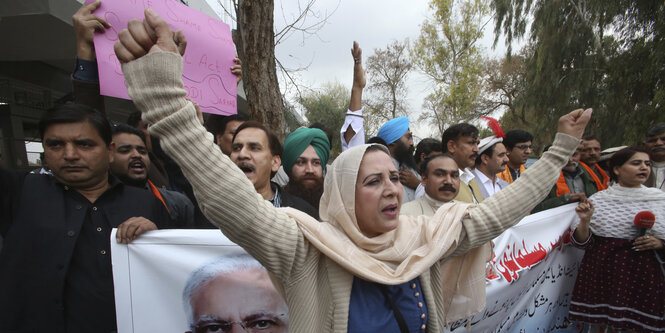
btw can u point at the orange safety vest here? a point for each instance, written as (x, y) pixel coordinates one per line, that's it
(505, 174)
(599, 185)
(561, 186)
(156, 193)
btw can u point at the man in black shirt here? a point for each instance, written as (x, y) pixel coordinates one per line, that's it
(131, 164)
(55, 265)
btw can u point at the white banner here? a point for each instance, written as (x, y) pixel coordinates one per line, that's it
(528, 291)
(150, 275)
(535, 268)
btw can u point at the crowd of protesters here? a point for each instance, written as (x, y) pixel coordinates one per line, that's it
(159, 170)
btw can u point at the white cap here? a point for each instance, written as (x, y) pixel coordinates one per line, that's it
(609, 152)
(487, 142)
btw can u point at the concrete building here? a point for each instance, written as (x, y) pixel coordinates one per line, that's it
(37, 58)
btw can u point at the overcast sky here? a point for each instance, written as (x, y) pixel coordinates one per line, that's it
(374, 24)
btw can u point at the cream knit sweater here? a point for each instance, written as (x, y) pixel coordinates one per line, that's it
(316, 289)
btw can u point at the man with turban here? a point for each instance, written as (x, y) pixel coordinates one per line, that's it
(396, 134)
(306, 153)
(256, 150)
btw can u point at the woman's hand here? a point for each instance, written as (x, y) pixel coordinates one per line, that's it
(575, 122)
(644, 243)
(584, 210)
(151, 35)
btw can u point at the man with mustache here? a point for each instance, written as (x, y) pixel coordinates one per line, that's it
(258, 153)
(492, 159)
(654, 143)
(574, 184)
(399, 139)
(461, 141)
(55, 263)
(131, 164)
(440, 178)
(589, 158)
(518, 146)
(306, 153)
(426, 147)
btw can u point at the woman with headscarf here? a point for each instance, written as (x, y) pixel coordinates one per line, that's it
(365, 268)
(621, 280)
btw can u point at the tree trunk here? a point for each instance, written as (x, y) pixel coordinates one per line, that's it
(256, 48)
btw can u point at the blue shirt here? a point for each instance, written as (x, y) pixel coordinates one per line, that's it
(370, 311)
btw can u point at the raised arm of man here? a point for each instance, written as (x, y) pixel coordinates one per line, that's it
(353, 130)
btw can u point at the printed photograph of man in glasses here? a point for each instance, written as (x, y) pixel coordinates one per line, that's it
(233, 293)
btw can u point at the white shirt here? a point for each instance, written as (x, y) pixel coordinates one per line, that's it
(355, 120)
(420, 190)
(466, 175)
(658, 169)
(408, 194)
(490, 186)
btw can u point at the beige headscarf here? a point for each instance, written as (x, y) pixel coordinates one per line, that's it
(397, 256)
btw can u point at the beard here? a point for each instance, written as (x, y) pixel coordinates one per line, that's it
(132, 181)
(310, 192)
(404, 155)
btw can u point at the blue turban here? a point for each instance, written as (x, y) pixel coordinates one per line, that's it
(299, 140)
(394, 129)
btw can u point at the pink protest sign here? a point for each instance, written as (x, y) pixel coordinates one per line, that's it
(210, 52)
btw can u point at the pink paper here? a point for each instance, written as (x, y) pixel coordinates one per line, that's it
(210, 52)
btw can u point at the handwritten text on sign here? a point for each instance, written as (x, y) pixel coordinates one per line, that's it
(210, 52)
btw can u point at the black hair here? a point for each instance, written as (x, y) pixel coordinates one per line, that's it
(216, 124)
(134, 118)
(273, 141)
(324, 129)
(426, 146)
(379, 140)
(590, 137)
(655, 130)
(622, 156)
(76, 113)
(455, 132)
(514, 137)
(122, 128)
(425, 163)
(377, 147)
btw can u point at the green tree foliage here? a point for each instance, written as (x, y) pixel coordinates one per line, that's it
(387, 71)
(609, 55)
(328, 106)
(505, 88)
(447, 52)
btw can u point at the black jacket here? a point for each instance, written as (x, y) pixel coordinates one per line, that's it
(290, 200)
(48, 249)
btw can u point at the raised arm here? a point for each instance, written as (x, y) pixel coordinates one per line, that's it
(584, 210)
(224, 194)
(508, 206)
(85, 79)
(85, 25)
(353, 123)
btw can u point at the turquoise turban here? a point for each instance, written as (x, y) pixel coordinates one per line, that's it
(394, 129)
(297, 142)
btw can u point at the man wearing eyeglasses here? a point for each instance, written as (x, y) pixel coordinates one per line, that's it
(518, 145)
(233, 294)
